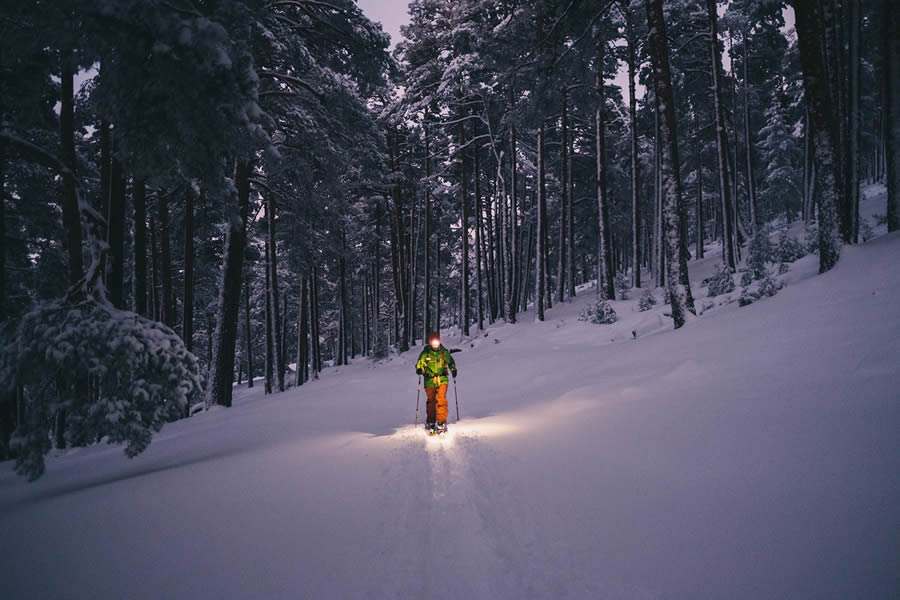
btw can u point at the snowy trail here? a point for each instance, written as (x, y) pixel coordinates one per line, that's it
(753, 454)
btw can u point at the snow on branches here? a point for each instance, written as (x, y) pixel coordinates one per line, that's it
(118, 376)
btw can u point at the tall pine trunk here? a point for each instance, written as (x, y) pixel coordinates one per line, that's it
(273, 295)
(464, 222)
(699, 209)
(507, 239)
(342, 314)
(891, 53)
(748, 143)
(248, 335)
(810, 32)
(316, 353)
(570, 228)
(270, 345)
(676, 267)
(70, 209)
(187, 322)
(139, 193)
(222, 368)
(564, 202)
(729, 250)
(105, 151)
(853, 178)
(427, 249)
(302, 372)
(167, 302)
(154, 273)
(476, 177)
(539, 249)
(632, 119)
(116, 234)
(605, 278)
(3, 292)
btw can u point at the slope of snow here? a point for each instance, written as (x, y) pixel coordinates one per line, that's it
(753, 454)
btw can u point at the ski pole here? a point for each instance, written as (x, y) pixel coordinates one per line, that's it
(456, 395)
(418, 392)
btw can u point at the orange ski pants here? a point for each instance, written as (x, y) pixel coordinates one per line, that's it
(436, 406)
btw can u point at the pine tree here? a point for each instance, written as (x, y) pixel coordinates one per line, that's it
(810, 31)
(679, 291)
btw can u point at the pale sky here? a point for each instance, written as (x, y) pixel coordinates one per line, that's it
(390, 13)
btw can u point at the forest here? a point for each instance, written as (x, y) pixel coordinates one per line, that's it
(199, 195)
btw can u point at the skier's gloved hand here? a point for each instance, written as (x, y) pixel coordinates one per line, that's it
(454, 373)
(419, 371)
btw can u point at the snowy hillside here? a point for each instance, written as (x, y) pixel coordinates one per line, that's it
(753, 454)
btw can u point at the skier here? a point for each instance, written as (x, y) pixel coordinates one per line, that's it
(433, 363)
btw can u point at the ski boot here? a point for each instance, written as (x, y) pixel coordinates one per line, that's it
(430, 428)
(441, 428)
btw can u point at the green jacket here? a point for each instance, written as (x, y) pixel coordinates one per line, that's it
(433, 364)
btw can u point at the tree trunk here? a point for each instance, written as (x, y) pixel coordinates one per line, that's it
(428, 325)
(699, 217)
(476, 176)
(167, 304)
(490, 259)
(605, 279)
(139, 190)
(891, 53)
(831, 50)
(810, 31)
(105, 151)
(316, 352)
(807, 168)
(342, 312)
(116, 235)
(70, 208)
(222, 374)
(539, 250)
(412, 263)
(273, 296)
(187, 322)
(366, 305)
(437, 269)
(376, 284)
(748, 144)
(465, 317)
(270, 345)
(248, 334)
(676, 276)
(398, 255)
(570, 228)
(154, 273)
(563, 203)
(3, 311)
(632, 114)
(853, 115)
(302, 372)
(729, 251)
(507, 240)
(659, 264)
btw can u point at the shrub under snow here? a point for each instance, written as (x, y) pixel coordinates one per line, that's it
(647, 301)
(788, 249)
(600, 313)
(722, 282)
(623, 285)
(760, 253)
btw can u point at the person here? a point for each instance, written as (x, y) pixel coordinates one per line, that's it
(433, 363)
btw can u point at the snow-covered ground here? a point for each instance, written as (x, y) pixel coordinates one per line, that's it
(753, 454)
